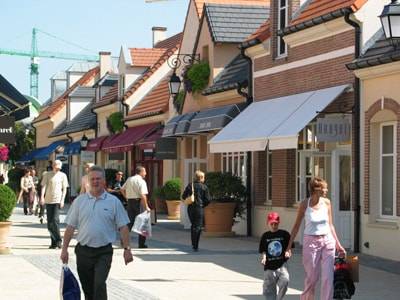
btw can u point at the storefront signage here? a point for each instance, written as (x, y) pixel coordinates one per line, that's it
(166, 148)
(336, 129)
(7, 130)
(88, 156)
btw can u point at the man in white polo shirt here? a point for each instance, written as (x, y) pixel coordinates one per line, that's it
(54, 188)
(135, 191)
(97, 215)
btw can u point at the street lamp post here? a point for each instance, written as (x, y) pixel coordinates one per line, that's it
(84, 141)
(174, 62)
(390, 19)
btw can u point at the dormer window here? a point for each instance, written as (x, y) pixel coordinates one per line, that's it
(282, 23)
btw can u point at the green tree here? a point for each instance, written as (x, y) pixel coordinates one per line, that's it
(25, 141)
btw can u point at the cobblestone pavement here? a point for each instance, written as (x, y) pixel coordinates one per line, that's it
(224, 268)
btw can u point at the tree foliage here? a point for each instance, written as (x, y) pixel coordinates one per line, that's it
(25, 141)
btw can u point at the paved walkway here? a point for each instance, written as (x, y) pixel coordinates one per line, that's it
(224, 268)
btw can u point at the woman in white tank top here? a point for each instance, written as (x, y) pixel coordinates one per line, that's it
(319, 243)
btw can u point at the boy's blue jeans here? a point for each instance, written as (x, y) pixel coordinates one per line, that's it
(276, 283)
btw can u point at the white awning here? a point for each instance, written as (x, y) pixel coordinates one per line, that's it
(274, 121)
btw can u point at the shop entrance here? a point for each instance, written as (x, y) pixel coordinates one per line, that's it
(341, 195)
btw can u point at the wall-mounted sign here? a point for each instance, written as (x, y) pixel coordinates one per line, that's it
(166, 148)
(7, 130)
(87, 157)
(337, 129)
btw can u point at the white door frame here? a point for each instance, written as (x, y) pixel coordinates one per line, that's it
(343, 220)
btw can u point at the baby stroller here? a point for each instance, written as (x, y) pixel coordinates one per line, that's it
(342, 282)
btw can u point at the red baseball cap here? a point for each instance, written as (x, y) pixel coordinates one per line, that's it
(273, 217)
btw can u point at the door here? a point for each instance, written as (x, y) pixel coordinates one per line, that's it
(341, 196)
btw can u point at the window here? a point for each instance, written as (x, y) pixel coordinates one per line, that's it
(235, 163)
(388, 170)
(282, 23)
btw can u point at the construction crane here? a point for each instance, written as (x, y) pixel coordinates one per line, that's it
(34, 54)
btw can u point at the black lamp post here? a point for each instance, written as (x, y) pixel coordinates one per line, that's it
(390, 18)
(174, 84)
(84, 141)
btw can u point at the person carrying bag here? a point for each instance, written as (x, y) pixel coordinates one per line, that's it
(190, 199)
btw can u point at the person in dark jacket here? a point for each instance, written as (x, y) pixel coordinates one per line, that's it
(196, 210)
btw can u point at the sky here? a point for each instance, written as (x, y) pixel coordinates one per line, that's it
(97, 25)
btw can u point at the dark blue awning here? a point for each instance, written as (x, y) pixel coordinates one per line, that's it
(12, 102)
(72, 148)
(28, 157)
(46, 151)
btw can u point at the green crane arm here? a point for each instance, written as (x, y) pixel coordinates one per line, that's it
(49, 54)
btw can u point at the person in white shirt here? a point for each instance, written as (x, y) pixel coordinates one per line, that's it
(135, 191)
(27, 190)
(97, 215)
(54, 189)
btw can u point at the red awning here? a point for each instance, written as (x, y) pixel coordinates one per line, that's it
(125, 141)
(149, 142)
(95, 144)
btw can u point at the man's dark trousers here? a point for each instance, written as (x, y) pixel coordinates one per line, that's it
(53, 223)
(133, 210)
(93, 266)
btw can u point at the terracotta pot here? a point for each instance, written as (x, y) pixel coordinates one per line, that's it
(173, 209)
(219, 217)
(4, 233)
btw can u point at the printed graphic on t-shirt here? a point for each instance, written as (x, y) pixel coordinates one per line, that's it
(274, 249)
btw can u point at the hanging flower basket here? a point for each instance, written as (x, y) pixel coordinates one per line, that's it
(115, 123)
(4, 153)
(198, 75)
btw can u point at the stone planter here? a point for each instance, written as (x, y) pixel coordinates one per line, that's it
(4, 233)
(219, 219)
(173, 209)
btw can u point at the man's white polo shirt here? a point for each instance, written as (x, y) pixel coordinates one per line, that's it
(135, 187)
(97, 220)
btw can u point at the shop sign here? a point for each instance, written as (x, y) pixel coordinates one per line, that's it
(336, 129)
(7, 130)
(88, 156)
(166, 148)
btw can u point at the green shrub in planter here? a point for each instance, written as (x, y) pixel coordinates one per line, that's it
(199, 74)
(226, 187)
(8, 200)
(172, 189)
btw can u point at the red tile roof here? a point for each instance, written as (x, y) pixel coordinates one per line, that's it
(200, 3)
(110, 97)
(174, 42)
(154, 103)
(318, 8)
(60, 102)
(170, 42)
(145, 57)
(262, 33)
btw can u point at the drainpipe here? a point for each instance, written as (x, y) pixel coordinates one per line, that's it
(95, 133)
(249, 100)
(125, 111)
(357, 113)
(70, 139)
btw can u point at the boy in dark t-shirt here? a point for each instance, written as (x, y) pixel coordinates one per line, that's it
(272, 246)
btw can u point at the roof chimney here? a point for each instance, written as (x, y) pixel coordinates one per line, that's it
(105, 63)
(158, 34)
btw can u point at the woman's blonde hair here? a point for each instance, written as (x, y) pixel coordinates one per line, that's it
(317, 184)
(199, 175)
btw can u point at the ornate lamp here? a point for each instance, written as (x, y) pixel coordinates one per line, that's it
(84, 141)
(390, 18)
(174, 84)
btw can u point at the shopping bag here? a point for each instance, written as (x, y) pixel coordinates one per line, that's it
(190, 199)
(343, 285)
(142, 224)
(352, 260)
(69, 286)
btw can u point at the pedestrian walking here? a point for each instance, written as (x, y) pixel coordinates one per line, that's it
(273, 244)
(36, 201)
(114, 187)
(40, 208)
(54, 188)
(135, 191)
(319, 241)
(96, 215)
(196, 209)
(27, 190)
(85, 186)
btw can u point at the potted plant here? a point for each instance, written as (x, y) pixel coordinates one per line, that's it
(197, 76)
(8, 200)
(228, 201)
(171, 192)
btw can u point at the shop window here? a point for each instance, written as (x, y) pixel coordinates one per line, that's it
(387, 170)
(235, 163)
(282, 23)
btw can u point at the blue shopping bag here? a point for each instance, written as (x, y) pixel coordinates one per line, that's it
(69, 286)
